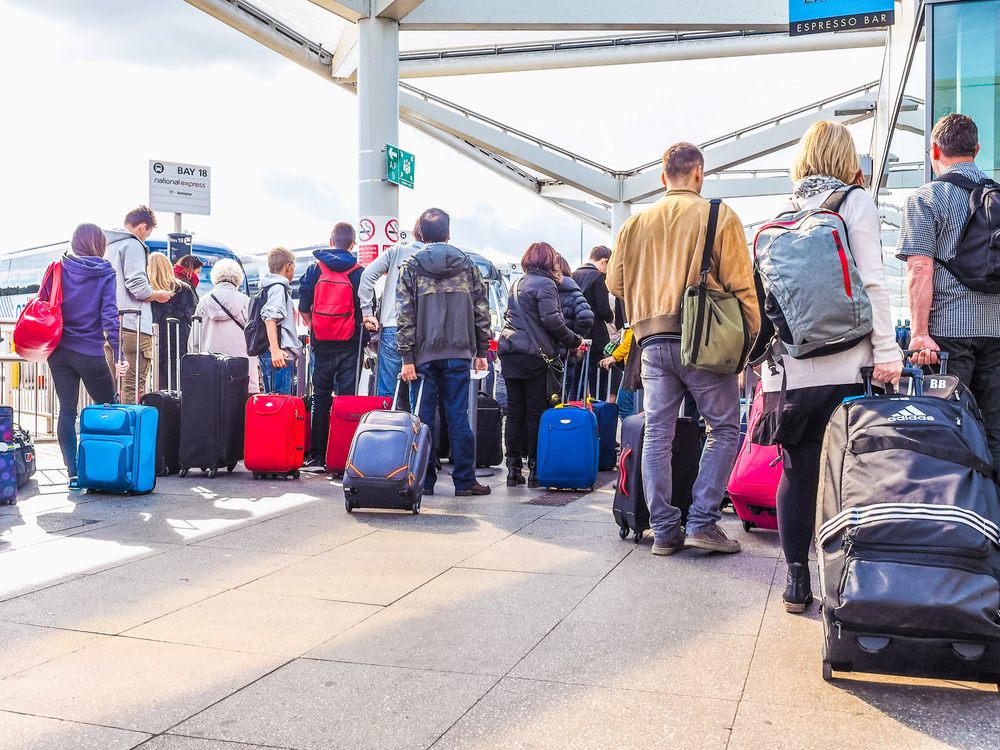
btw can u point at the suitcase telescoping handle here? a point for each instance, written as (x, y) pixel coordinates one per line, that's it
(583, 374)
(121, 347)
(942, 356)
(174, 323)
(915, 373)
(420, 396)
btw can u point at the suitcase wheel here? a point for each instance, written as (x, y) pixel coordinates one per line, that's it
(348, 505)
(230, 468)
(212, 472)
(827, 671)
(623, 532)
(637, 537)
(256, 476)
(182, 473)
(415, 508)
(748, 525)
(295, 474)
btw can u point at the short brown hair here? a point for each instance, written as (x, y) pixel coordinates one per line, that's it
(600, 253)
(278, 258)
(681, 159)
(141, 215)
(541, 257)
(956, 135)
(342, 236)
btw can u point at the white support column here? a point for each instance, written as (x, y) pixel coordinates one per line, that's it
(620, 211)
(378, 112)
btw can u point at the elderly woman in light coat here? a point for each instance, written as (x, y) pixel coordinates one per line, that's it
(223, 313)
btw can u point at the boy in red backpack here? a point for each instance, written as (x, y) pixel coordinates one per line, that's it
(329, 304)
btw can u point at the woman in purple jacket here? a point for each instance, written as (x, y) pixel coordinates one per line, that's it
(90, 311)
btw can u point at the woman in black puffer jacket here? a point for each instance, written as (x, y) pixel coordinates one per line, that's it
(536, 309)
(575, 308)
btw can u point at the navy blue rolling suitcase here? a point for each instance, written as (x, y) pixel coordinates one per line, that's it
(607, 428)
(118, 444)
(568, 447)
(387, 460)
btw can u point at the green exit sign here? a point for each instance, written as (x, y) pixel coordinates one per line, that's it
(400, 166)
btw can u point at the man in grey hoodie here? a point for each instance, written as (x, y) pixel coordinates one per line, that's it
(128, 254)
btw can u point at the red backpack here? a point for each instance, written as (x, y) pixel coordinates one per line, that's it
(333, 305)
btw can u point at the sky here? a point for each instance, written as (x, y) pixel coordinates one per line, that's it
(94, 89)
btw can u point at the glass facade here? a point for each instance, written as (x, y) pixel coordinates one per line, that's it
(966, 70)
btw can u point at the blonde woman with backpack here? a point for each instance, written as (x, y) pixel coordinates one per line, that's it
(825, 169)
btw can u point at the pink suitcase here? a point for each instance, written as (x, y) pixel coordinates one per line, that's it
(753, 484)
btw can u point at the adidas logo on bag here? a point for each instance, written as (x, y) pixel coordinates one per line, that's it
(910, 414)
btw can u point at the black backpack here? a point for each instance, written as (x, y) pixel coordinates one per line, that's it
(976, 264)
(255, 331)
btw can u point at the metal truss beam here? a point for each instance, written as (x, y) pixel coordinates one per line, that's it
(651, 15)
(582, 53)
(597, 217)
(352, 10)
(397, 10)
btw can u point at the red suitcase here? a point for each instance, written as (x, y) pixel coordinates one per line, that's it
(275, 435)
(753, 485)
(344, 417)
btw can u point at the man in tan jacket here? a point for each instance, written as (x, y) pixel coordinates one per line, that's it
(657, 254)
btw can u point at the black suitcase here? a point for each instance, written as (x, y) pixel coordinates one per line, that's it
(630, 509)
(489, 432)
(908, 540)
(168, 404)
(213, 411)
(24, 455)
(387, 462)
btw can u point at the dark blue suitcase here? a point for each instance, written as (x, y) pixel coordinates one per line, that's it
(8, 449)
(607, 428)
(117, 448)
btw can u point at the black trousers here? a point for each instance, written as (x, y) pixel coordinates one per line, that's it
(976, 362)
(797, 498)
(526, 400)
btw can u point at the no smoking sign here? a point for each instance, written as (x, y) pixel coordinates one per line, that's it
(392, 231)
(376, 234)
(366, 230)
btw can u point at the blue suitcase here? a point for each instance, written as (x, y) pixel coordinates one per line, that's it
(8, 449)
(567, 448)
(117, 448)
(118, 443)
(607, 428)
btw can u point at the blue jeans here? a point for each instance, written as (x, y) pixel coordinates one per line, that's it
(626, 404)
(448, 380)
(332, 373)
(664, 381)
(389, 362)
(282, 376)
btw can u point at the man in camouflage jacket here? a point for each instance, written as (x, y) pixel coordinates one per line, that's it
(443, 328)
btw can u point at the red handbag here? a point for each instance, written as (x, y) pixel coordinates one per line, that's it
(40, 325)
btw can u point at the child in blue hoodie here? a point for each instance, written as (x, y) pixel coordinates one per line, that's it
(90, 312)
(332, 310)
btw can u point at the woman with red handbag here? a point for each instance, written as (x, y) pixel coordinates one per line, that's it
(89, 311)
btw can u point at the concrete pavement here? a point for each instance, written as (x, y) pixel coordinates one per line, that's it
(228, 614)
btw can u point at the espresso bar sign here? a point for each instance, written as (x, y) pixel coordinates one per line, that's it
(819, 16)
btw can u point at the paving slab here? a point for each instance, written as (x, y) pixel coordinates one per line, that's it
(25, 646)
(640, 657)
(322, 705)
(468, 641)
(22, 731)
(177, 742)
(144, 686)
(346, 579)
(545, 715)
(429, 540)
(101, 603)
(255, 622)
(691, 590)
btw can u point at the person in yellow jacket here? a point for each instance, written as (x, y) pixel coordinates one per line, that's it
(657, 254)
(626, 399)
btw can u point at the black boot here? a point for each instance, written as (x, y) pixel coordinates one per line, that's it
(514, 475)
(798, 595)
(532, 477)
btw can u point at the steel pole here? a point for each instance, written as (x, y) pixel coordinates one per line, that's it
(620, 211)
(378, 113)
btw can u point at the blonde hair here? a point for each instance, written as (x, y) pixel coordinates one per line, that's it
(278, 259)
(161, 273)
(826, 149)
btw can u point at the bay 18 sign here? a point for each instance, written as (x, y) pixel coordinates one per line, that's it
(818, 16)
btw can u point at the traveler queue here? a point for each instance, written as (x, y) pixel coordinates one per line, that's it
(433, 324)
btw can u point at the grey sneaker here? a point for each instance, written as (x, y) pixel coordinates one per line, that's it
(669, 544)
(713, 538)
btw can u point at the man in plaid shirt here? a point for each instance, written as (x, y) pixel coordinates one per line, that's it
(948, 316)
